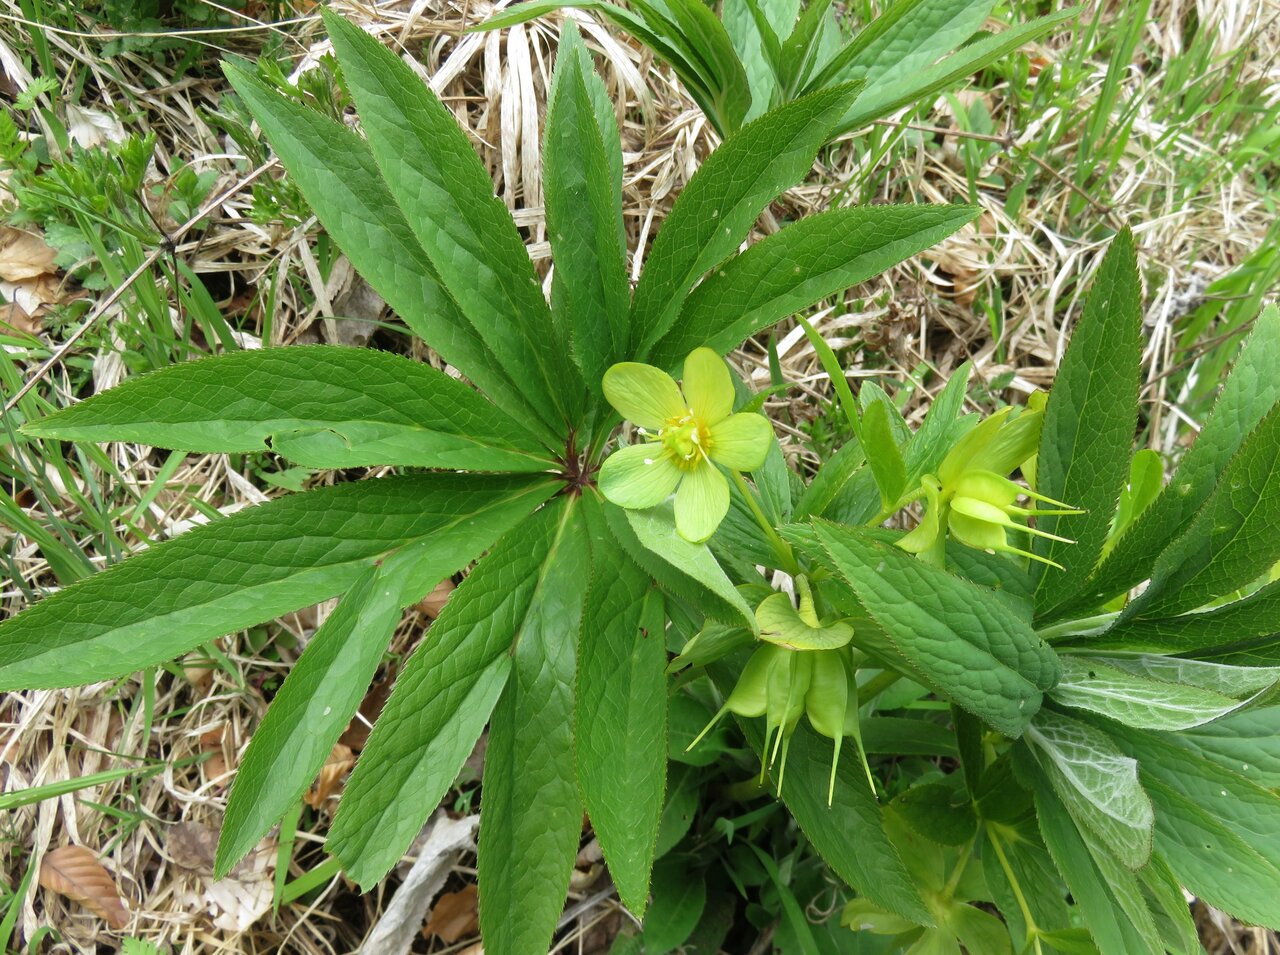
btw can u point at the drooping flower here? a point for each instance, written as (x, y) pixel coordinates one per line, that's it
(687, 432)
(971, 498)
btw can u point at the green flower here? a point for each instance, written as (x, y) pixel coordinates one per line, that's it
(972, 499)
(686, 434)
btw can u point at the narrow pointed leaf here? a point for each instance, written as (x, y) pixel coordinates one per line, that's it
(1231, 541)
(1087, 437)
(335, 170)
(441, 702)
(1250, 392)
(1097, 783)
(320, 406)
(622, 713)
(255, 565)
(1137, 700)
(318, 699)
(448, 200)
(973, 649)
(884, 455)
(1223, 627)
(722, 201)
(919, 86)
(530, 811)
(818, 256)
(589, 290)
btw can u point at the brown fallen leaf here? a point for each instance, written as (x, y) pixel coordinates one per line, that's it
(75, 872)
(24, 255)
(455, 916)
(434, 602)
(357, 732)
(192, 845)
(334, 770)
(216, 766)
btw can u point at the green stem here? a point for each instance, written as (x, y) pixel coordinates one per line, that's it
(877, 685)
(785, 554)
(1033, 930)
(954, 881)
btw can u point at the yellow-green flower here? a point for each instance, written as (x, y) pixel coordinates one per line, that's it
(687, 432)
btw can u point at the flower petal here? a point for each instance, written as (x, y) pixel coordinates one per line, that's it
(643, 394)
(707, 386)
(701, 502)
(640, 475)
(741, 441)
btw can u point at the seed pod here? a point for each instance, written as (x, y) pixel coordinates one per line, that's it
(749, 693)
(827, 703)
(789, 678)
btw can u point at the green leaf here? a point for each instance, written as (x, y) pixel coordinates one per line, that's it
(818, 256)
(900, 736)
(849, 834)
(920, 85)
(1086, 440)
(1212, 861)
(1249, 393)
(255, 565)
(937, 811)
(1111, 900)
(883, 455)
(721, 203)
(706, 43)
(1096, 782)
(1222, 627)
(1248, 809)
(1231, 541)
(1090, 683)
(833, 474)
(940, 429)
(972, 649)
(622, 713)
(440, 703)
(530, 811)
(908, 38)
(1246, 743)
(320, 406)
(335, 170)
(583, 194)
(320, 695)
(679, 897)
(687, 570)
(436, 177)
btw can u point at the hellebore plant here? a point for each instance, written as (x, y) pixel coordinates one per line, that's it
(1033, 736)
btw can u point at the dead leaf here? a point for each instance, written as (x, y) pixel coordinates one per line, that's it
(75, 872)
(192, 845)
(357, 732)
(93, 127)
(216, 767)
(334, 770)
(431, 605)
(24, 255)
(455, 916)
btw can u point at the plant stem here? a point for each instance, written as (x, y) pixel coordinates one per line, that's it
(781, 547)
(1033, 930)
(877, 685)
(961, 865)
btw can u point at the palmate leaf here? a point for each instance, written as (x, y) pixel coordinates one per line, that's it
(320, 406)
(336, 173)
(530, 809)
(721, 203)
(436, 177)
(818, 256)
(971, 647)
(318, 699)
(1089, 424)
(622, 711)
(1252, 389)
(442, 699)
(258, 564)
(1231, 541)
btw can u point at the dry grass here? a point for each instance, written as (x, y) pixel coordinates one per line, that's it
(194, 722)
